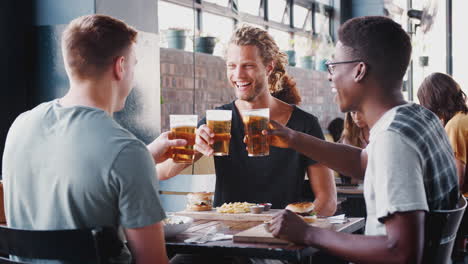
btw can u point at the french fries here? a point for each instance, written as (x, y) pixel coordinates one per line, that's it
(235, 208)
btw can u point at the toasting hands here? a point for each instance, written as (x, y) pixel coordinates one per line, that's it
(160, 148)
(278, 135)
(203, 140)
(289, 226)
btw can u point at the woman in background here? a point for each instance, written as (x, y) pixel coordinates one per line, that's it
(443, 96)
(355, 133)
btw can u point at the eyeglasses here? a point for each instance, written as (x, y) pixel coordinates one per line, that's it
(330, 65)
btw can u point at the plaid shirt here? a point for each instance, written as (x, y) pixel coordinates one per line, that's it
(425, 130)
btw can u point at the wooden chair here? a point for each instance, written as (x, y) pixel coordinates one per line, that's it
(95, 245)
(440, 232)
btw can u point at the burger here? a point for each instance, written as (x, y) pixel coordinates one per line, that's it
(199, 201)
(304, 209)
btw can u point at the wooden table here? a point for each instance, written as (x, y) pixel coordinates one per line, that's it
(354, 204)
(289, 252)
(349, 191)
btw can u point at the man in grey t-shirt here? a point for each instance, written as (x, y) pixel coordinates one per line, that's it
(68, 164)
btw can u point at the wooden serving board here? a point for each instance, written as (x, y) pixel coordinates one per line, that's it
(213, 215)
(258, 234)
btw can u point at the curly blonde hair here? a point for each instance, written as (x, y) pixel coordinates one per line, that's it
(281, 85)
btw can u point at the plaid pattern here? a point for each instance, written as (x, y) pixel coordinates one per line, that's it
(425, 130)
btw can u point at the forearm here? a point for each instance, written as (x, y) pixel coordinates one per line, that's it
(169, 169)
(356, 248)
(339, 157)
(325, 207)
(322, 183)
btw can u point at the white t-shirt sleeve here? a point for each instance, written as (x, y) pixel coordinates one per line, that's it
(399, 185)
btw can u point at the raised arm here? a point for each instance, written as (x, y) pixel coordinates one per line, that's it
(342, 158)
(323, 185)
(169, 168)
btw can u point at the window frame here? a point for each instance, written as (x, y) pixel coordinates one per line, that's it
(232, 11)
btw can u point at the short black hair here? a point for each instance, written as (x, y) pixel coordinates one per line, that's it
(336, 128)
(381, 43)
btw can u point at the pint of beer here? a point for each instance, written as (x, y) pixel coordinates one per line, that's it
(219, 122)
(183, 127)
(255, 121)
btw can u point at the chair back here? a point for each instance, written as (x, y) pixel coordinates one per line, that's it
(440, 233)
(95, 245)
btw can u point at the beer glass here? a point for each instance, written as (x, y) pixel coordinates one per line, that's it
(219, 122)
(255, 121)
(183, 127)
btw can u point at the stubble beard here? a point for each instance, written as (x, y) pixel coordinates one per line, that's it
(258, 88)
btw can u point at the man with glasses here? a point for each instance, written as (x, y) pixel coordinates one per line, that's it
(408, 167)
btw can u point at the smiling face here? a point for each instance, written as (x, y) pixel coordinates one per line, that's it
(348, 93)
(246, 72)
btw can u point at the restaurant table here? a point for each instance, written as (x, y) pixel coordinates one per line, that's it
(353, 204)
(349, 191)
(290, 252)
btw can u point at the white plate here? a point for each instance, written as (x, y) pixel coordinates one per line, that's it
(171, 230)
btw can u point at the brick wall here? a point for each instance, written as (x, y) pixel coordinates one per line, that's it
(212, 88)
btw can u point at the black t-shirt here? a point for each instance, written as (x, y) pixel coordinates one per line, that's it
(277, 178)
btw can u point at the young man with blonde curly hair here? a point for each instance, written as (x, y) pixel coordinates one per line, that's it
(256, 70)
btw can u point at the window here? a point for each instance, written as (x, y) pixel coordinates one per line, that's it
(303, 45)
(167, 19)
(282, 38)
(250, 24)
(249, 6)
(300, 14)
(322, 23)
(308, 25)
(219, 27)
(431, 45)
(460, 56)
(218, 2)
(183, 20)
(276, 11)
(417, 4)
(218, 19)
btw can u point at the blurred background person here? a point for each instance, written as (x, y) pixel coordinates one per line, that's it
(335, 128)
(355, 133)
(442, 95)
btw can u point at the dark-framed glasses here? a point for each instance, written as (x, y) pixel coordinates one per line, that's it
(331, 65)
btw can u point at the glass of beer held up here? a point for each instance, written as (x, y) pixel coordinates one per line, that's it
(219, 122)
(255, 121)
(183, 127)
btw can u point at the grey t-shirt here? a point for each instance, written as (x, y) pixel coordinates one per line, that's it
(75, 167)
